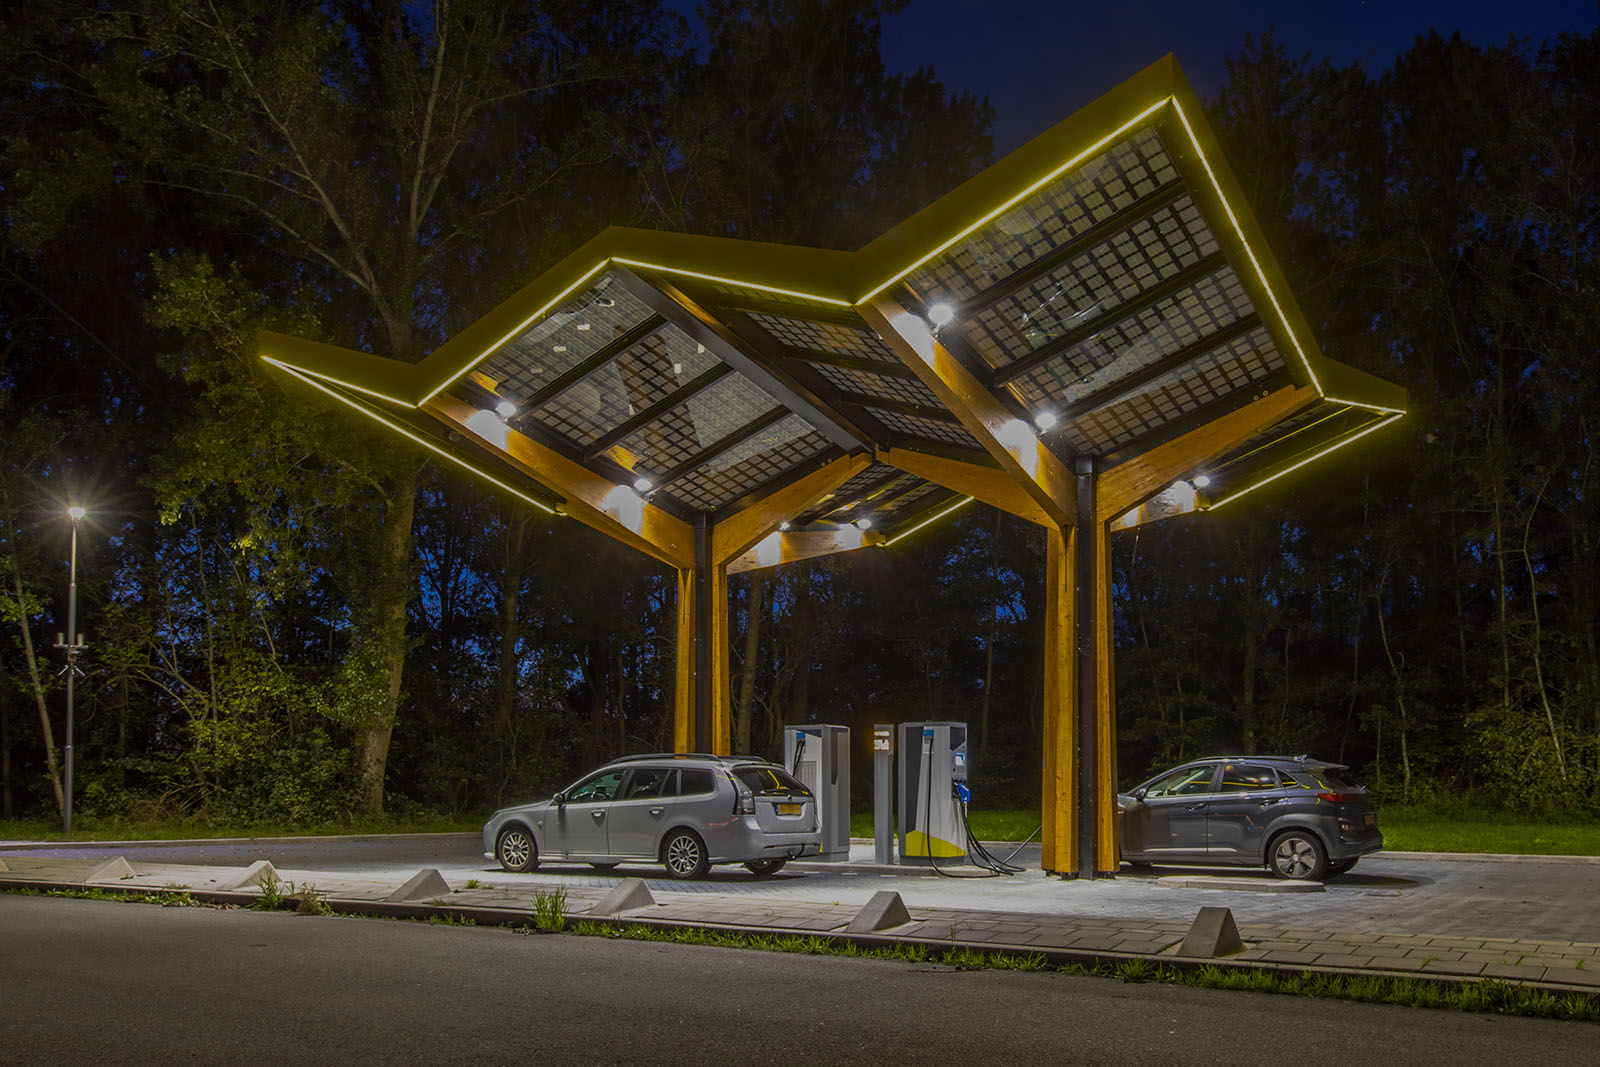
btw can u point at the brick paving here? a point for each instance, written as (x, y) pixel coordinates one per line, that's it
(775, 905)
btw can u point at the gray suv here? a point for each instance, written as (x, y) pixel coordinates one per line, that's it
(687, 811)
(1298, 817)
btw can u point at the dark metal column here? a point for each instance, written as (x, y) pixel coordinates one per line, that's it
(701, 741)
(1083, 623)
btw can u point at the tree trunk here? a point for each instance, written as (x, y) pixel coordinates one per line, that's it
(396, 586)
(510, 633)
(51, 764)
(745, 712)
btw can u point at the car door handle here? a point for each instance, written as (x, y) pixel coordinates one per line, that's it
(657, 811)
(1194, 807)
(598, 815)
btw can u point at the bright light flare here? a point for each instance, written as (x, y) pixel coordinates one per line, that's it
(76, 512)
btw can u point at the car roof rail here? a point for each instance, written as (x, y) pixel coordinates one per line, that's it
(666, 755)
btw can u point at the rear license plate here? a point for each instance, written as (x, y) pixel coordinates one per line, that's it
(1370, 821)
(787, 809)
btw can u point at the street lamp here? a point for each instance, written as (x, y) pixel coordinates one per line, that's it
(72, 642)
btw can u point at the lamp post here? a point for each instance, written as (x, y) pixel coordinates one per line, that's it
(73, 644)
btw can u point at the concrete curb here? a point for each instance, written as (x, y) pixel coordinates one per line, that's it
(485, 916)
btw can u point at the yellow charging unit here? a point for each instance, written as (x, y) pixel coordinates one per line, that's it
(932, 758)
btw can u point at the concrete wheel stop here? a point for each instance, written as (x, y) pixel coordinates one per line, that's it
(884, 910)
(426, 884)
(630, 894)
(1213, 933)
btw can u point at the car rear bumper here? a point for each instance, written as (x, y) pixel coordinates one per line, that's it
(743, 840)
(1343, 846)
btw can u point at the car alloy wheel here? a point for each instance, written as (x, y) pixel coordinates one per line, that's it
(685, 856)
(1298, 856)
(516, 850)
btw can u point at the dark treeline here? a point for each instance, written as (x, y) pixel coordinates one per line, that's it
(294, 618)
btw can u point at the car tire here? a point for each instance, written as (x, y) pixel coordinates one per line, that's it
(1341, 867)
(516, 850)
(684, 855)
(1298, 856)
(763, 868)
(604, 866)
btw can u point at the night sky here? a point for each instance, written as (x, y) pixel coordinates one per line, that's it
(1040, 60)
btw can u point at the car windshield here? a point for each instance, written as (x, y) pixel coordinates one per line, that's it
(764, 779)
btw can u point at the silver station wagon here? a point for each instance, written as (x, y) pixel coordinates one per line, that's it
(1298, 817)
(685, 811)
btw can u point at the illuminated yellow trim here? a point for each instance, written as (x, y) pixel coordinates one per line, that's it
(302, 371)
(1363, 404)
(731, 281)
(1309, 459)
(1029, 191)
(1248, 251)
(514, 331)
(953, 507)
(423, 441)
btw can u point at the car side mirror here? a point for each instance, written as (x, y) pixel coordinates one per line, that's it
(1137, 794)
(560, 800)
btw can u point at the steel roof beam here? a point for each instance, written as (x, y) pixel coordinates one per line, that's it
(582, 369)
(723, 444)
(1132, 383)
(699, 383)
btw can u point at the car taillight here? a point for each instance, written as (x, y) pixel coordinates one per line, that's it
(1337, 798)
(744, 801)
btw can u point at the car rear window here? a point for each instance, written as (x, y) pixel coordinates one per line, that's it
(1247, 778)
(764, 780)
(1335, 778)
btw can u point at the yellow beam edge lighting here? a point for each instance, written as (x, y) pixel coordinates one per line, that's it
(1309, 459)
(514, 331)
(304, 373)
(1029, 191)
(732, 281)
(935, 518)
(424, 442)
(1248, 251)
(1330, 398)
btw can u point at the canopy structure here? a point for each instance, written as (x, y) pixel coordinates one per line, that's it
(1089, 334)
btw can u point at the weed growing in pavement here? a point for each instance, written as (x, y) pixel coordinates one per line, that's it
(550, 910)
(272, 897)
(473, 883)
(311, 902)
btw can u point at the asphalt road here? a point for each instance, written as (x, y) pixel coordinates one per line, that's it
(98, 982)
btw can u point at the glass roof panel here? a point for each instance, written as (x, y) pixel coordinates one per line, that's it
(705, 418)
(1143, 338)
(1093, 284)
(752, 462)
(1225, 371)
(566, 336)
(1063, 210)
(810, 335)
(614, 392)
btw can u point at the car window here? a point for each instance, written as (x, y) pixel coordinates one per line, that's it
(602, 786)
(1331, 779)
(1181, 782)
(763, 780)
(647, 783)
(1247, 778)
(693, 780)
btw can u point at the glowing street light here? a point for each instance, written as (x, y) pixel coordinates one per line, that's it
(72, 644)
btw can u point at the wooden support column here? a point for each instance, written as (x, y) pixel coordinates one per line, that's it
(1058, 802)
(702, 716)
(1086, 570)
(1104, 710)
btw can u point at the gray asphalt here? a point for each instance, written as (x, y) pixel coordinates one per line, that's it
(98, 982)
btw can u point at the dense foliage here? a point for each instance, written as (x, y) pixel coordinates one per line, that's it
(293, 619)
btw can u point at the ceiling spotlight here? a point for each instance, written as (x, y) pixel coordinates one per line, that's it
(941, 314)
(506, 409)
(1045, 420)
(1200, 481)
(863, 523)
(642, 483)
(784, 525)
